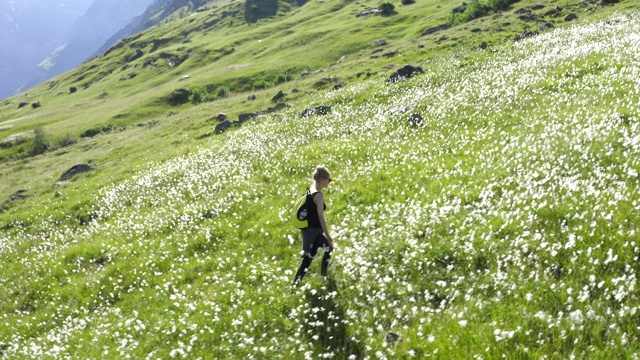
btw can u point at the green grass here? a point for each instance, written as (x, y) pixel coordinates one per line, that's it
(505, 226)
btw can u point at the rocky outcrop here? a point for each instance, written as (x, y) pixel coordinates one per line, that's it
(404, 72)
(316, 110)
(75, 170)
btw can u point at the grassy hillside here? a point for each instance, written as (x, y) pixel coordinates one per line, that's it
(505, 224)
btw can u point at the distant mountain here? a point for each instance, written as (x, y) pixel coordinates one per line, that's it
(29, 29)
(103, 19)
(155, 13)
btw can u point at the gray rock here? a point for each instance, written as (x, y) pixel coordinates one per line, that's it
(74, 170)
(316, 110)
(416, 120)
(222, 127)
(278, 96)
(221, 117)
(246, 116)
(369, 12)
(404, 72)
(570, 17)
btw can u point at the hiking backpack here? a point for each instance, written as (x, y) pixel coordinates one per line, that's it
(300, 211)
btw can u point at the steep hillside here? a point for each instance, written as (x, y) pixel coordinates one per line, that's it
(487, 207)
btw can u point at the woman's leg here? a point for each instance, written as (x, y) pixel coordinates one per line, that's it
(304, 266)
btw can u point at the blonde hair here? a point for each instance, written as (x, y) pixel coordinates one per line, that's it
(320, 173)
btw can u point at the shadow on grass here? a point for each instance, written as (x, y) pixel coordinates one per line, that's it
(326, 324)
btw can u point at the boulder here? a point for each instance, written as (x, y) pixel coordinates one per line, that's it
(74, 170)
(251, 97)
(204, 136)
(537, 7)
(22, 104)
(278, 96)
(369, 12)
(279, 107)
(555, 12)
(393, 337)
(459, 9)
(400, 110)
(546, 26)
(316, 110)
(221, 117)
(338, 87)
(416, 120)
(222, 127)
(20, 194)
(380, 43)
(404, 72)
(244, 117)
(570, 17)
(434, 30)
(525, 35)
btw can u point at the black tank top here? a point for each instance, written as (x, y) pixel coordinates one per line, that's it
(312, 218)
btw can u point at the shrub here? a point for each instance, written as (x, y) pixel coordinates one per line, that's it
(223, 92)
(408, 2)
(73, 89)
(387, 9)
(36, 105)
(199, 95)
(40, 143)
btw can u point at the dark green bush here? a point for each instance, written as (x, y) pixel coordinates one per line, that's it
(40, 143)
(387, 9)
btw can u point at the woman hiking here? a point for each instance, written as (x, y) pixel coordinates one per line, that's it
(316, 235)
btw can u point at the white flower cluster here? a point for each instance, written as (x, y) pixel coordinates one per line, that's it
(505, 224)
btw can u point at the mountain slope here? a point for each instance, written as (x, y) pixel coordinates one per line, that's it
(99, 23)
(500, 222)
(28, 32)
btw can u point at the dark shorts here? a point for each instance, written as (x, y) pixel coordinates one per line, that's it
(312, 240)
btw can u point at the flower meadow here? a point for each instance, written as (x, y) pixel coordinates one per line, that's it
(503, 225)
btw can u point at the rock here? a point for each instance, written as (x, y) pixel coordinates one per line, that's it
(570, 17)
(251, 97)
(380, 43)
(369, 12)
(525, 35)
(476, 30)
(222, 127)
(20, 194)
(338, 87)
(537, 7)
(416, 120)
(204, 136)
(459, 9)
(316, 110)
(279, 106)
(546, 26)
(75, 169)
(221, 117)
(61, 183)
(22, 104)
(244, 117)
(13, 140)
(390, 54)
(400, 110)
(435, 29)
(556, 11)
(404, 72)
(278, 96)
(393, 337)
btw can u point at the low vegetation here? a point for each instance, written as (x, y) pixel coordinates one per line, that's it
(485, 208)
